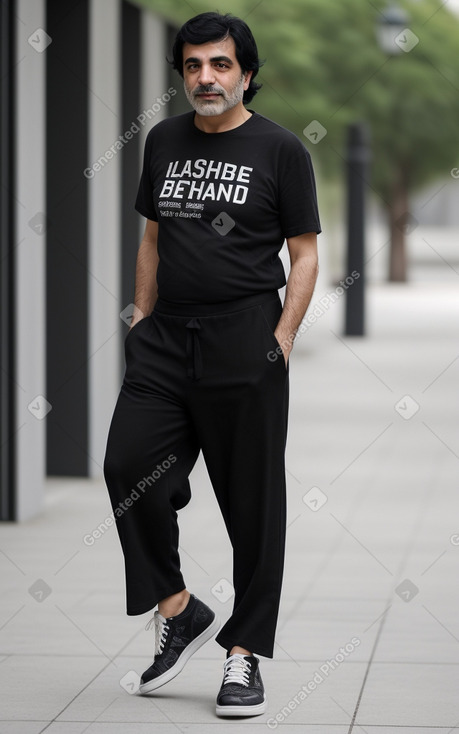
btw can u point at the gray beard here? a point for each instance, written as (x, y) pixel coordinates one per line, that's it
(210, 107)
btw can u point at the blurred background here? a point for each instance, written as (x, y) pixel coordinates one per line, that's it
(82, 84)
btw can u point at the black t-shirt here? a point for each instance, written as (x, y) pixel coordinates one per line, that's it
(224, 202)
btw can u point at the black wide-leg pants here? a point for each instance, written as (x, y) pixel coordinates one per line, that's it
(204, 377)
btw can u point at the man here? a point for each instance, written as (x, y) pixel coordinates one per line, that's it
(207, 355)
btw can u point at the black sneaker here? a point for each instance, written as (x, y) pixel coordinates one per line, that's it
(177, 639)
(242, 692)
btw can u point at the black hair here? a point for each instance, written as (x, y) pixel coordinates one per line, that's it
(215, 27)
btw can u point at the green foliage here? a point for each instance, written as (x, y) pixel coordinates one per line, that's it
(323, 62)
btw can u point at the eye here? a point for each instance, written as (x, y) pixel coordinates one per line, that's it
(222, 65)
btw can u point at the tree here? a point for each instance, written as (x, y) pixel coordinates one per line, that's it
(324, 63)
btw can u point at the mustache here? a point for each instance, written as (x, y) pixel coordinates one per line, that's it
(209, 89)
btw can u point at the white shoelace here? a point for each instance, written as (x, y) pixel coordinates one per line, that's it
(236, 670)
(161, 628)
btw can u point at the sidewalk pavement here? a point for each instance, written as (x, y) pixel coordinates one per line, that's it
(368, 635)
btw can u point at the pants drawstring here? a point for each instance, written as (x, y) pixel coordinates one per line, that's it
(193, 350)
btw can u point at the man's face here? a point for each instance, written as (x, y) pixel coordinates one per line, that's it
(213, 79)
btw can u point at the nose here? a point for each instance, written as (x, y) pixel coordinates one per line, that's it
(206, 75)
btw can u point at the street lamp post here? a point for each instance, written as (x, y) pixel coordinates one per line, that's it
(358, 155)
(391, 24)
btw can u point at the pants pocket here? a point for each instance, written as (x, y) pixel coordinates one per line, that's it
(134, 329)
(270, 314)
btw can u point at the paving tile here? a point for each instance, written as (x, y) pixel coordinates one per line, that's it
(331, 686)
(228, 728)
(72, 727)
(23, 727)
(382, 729)
(61, 630)
(413, 695)
(39, 687)
(411, 634)
(320, 627)
(220, 726)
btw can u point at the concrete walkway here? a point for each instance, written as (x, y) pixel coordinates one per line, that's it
(368, 636)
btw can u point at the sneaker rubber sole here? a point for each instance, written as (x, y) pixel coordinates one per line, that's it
(205, 635)
(256, 710)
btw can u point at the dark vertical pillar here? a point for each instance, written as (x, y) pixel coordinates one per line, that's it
(357, 157)
(7, 262)
(67, 251)
(130, 157)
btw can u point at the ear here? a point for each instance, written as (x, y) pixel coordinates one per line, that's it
(247, 78)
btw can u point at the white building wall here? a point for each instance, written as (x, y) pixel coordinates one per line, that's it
(104, 224)
(154, 78)
(30, 254)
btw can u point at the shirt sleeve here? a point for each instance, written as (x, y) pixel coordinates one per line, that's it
(144, 202)
(298, 208)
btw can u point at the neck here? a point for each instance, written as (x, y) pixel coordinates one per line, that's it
(226, 121)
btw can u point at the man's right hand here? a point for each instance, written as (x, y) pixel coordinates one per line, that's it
(146, 290)
(137, 316)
